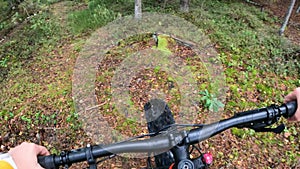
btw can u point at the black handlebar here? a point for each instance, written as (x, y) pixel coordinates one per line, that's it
(291, 108)
(256, 119)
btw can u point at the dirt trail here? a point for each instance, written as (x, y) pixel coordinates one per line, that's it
(60, 10)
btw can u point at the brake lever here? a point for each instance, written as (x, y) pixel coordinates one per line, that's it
(276, 130)
(261, 126)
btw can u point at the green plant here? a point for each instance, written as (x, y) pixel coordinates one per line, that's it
(157, 69)
(93, 17)
(43, 28)
(4, 6)
(6, 115)
(3, 62)
(4, 25)
(72, 119)
(242, 133)
(210, 101)
(242, 33)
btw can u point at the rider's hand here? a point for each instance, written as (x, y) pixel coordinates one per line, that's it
(295, 95)
(25, 155)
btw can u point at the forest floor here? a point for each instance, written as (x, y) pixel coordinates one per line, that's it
(37, 105)
(279, 9)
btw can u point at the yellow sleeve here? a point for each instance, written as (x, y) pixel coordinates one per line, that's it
(5, 165)
(7, 162)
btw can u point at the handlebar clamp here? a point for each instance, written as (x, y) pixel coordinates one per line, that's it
(90, 158)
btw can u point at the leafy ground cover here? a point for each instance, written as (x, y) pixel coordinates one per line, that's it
(38, 56)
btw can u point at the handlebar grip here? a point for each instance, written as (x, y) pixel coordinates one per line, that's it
(291, 108)
(47, 162)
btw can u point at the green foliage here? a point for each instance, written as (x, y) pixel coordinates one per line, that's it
(292, 156)
(242, 133)
(26, 119)
(72, 119)
(6, 115)
(3, 63)
(3, 25)
(157, 69)
(241, 30)
(4, 8)
(15, 13)
(118, 6)
(93, 17)
(210, 101)
(40, 31)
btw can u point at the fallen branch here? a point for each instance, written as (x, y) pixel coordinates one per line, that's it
(256, 4)
(287, 17)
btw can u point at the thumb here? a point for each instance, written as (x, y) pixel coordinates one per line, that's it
(40, 150)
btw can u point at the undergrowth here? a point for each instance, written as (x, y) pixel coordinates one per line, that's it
(39, 32)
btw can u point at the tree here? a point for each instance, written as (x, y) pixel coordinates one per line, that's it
(184, 5)
(287, 17)
(138, 9)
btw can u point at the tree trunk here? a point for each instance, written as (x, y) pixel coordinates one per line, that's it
(287, 17)
(184, 5)
(138, 9)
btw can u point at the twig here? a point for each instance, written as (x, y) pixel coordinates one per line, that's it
(256, 4)
(95, 107)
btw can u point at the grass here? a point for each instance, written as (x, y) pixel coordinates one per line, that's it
(243, 33)
(95, 16)
(40, 32)
(36, 85)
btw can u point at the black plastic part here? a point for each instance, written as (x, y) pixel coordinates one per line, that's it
(63, 159)
(273, 113)
(185, 164)
(159, 116)
(180, 153)
(291, 108)
(198, 163)
(47, 162)
(90, 158)
(276, 130)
